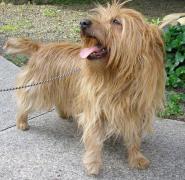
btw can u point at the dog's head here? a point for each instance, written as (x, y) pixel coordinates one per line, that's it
(117, 36)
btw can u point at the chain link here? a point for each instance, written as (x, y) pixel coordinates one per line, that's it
(42, 82)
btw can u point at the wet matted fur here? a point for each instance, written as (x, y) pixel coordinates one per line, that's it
(117, 92)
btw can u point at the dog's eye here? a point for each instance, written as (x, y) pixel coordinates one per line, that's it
(116, 22)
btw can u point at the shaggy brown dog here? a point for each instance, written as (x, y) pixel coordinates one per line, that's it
(118, 90)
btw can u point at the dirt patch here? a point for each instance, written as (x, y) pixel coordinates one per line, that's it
(45, 23)
(158, 8)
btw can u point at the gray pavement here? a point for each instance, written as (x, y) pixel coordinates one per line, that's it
(52, 150)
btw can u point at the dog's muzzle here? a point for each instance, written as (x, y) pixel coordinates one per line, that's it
(96, 51)
(85, 23)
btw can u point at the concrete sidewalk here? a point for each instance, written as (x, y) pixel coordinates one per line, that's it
(51, 149)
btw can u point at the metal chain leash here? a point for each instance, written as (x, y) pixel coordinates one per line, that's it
(42, 82)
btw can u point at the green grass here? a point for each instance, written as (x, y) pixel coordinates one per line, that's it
(24, 23)
(156, 21)
(13, 25)
(18, 60)
(48, 12)
(8, 28)
(174, 106)
(75, 31)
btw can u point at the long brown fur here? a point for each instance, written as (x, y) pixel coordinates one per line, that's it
(118, 95)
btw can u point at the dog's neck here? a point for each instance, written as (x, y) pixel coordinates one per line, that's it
(97, 71)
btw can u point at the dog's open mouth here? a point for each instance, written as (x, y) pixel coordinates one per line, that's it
(94, 52)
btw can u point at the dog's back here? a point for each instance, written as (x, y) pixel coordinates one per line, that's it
(47, 61)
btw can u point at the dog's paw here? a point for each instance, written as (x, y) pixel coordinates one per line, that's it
(22, 126)
(139, 163)
(93, 168)
(63, 116)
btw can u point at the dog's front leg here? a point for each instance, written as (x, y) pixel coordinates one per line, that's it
(93, 140)
(132, 136)
(93, 150)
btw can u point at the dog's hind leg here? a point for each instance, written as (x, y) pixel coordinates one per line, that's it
(61, 112)
(132, 136)
(22, 111)
(22, 119)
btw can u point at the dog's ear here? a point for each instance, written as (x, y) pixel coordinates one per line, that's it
(153, 41)
(152, 67)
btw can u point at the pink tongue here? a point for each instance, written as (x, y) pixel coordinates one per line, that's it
(84, 53)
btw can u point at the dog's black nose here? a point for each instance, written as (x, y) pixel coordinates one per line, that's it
(85, 23)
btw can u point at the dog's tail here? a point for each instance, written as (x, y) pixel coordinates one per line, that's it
(23, 46)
